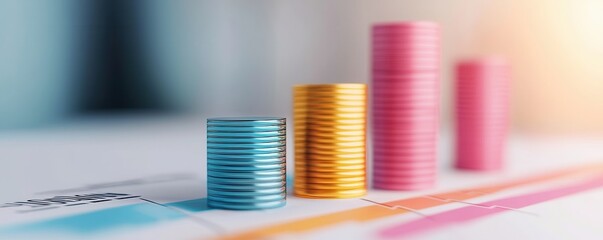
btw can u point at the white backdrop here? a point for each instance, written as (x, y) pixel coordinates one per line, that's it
(241, 57)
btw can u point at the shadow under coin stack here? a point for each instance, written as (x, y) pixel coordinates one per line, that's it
(405, 104)
(330, 140)
(481, 113)
(246, 163)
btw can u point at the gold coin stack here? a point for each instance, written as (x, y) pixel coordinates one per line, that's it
(330, 140)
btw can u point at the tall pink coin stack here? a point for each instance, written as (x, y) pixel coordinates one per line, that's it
(405, 110)
(481, 113)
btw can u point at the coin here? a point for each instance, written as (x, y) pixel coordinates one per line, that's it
(246, 162)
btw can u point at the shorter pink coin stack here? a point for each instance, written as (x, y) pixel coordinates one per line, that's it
(481, 113)
(405, 109)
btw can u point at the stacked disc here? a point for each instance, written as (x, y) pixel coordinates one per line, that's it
(481, 113)
(246, 163)
(405, 109)
(330, 139)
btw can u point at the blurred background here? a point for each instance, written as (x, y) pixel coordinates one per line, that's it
(65, 59)
(70, 70)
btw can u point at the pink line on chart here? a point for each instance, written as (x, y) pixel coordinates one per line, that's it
(470, 213)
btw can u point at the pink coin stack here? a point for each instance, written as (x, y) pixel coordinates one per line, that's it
(405, 104)
(481, 113)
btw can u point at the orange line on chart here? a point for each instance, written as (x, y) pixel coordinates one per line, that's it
(368, 213)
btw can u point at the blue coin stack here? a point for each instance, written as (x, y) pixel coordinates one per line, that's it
(246, 160)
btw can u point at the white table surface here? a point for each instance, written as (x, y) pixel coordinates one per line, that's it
(100, 150)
